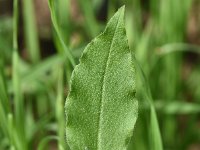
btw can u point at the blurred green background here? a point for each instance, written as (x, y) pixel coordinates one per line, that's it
(39, 49)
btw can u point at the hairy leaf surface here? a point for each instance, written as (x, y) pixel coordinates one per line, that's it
(101, 108)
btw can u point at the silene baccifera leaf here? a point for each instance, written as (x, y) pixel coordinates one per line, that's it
(101, 108)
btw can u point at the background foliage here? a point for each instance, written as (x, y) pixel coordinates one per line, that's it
(37, 60)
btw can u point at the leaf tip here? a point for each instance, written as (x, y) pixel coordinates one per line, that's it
(122, 9)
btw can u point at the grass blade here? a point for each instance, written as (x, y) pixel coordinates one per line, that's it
(91, 24)
(57, 29)
(32, 41)
(155, 134)
(60, 110)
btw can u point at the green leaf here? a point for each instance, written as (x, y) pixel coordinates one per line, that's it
(101, 108)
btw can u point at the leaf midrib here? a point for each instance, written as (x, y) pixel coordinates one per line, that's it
(103, 87)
